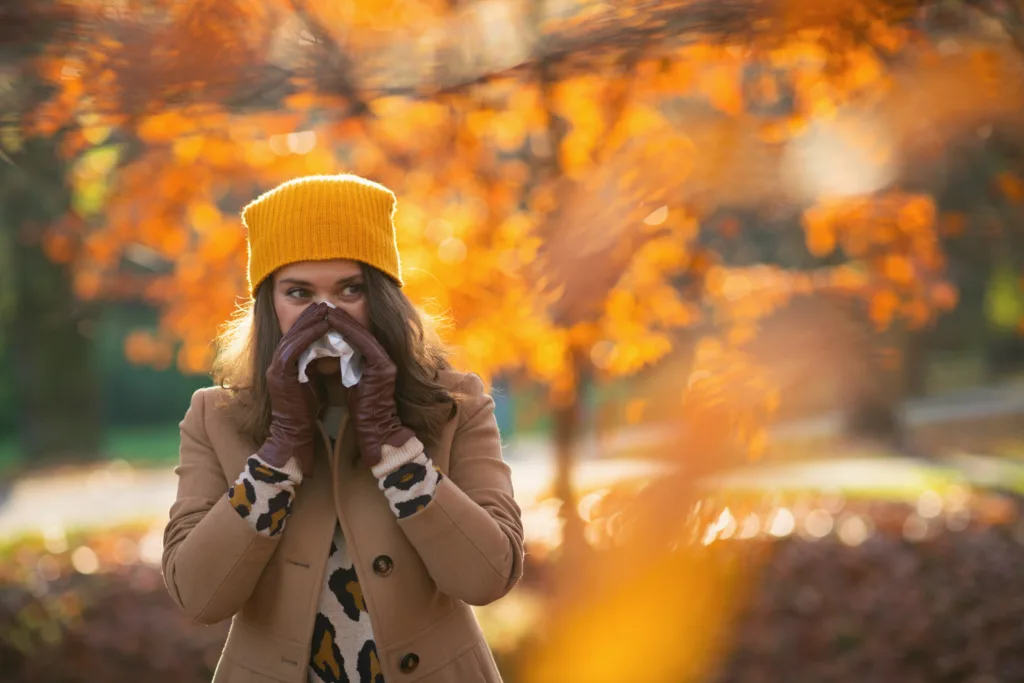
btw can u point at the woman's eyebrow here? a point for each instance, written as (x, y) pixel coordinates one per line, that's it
(305, 283)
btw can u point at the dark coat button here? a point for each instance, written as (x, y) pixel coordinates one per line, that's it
(382, 565)
(410, 662)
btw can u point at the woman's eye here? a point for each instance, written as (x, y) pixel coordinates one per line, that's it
(297, 293)
(352, 290)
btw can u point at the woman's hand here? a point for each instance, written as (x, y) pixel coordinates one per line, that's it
(293, 406)
(371, 402)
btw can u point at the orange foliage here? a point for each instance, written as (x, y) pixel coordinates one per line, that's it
(555, 171)
(548, 210)
(895, 241)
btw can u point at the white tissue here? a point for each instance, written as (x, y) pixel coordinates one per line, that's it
(333, 345)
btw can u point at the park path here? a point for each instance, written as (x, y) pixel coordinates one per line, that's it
(116, 493)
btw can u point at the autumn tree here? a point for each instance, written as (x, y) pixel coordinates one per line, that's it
(559, 166)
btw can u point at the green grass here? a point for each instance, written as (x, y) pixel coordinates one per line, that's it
(9, 454)
(156, 445)
(150, 446)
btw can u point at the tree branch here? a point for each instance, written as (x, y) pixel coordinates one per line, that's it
(578, 48)
(340, 79)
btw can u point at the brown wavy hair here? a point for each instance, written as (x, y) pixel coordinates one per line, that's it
(247, 343)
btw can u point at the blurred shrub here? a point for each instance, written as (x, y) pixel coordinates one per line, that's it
(112, 627)
(889, 610)
(948, 606)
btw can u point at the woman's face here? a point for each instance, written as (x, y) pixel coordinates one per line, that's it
(339, 282)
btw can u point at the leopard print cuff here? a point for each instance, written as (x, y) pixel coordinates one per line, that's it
(263, 494)
(411, 487)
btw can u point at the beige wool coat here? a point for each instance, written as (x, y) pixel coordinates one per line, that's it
(418, 575)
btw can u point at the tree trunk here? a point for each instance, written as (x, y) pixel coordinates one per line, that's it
(49, 348)
(567, 423)
(915, 363)
(872, 405)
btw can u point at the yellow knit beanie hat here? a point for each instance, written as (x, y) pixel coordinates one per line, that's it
(318, 218)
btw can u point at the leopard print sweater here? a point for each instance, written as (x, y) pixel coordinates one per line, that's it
(343, 647)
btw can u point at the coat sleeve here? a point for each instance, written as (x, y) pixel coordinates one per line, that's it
(470, 536)
(212, 557)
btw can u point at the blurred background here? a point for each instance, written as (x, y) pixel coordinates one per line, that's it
(745, 278)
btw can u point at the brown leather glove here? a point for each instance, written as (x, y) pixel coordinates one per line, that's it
(371, 402)
(293, 406)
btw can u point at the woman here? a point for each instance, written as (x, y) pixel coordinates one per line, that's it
(345, 532)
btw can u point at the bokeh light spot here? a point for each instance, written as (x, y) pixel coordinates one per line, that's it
(783, 523)
(84, 560)
(853, 531)
(819, 523)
